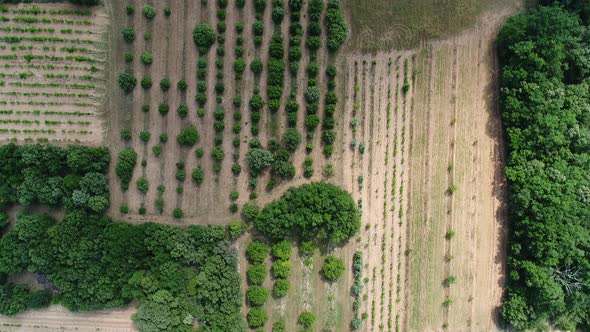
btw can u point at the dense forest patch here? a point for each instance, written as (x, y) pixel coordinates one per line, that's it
(178, 275)
(545, 102)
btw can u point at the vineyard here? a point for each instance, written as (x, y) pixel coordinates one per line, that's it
(51, 78)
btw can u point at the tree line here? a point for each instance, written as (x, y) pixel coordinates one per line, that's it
(545, 103)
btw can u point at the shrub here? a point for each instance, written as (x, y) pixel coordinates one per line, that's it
(256, 66)
(128, 34)
(144, 136)
(128, 57)
(127, 81)
(125, 165)
(157, 150)
(182, 111)
(163, 109)
(167, 11)
(217, 153)
(337, 30)
(257, 317)
(145, 108)
(281, 269)
(256, 274)
(258, 160)
(130, 9)
(182, 85)
(180, 175)
(256, 252)
(311, 122)
(312, 94)
(282, 250)
(281, 287)
(239, 67)
(236, 169)
(165, 84)
(189, 136)
(234, 195)
(142, 184)
(199, 152)
(197, 175)
(333, 268)
(291, 139)
(146, 83)
(306, 319)
(250, 211)
(125, 134)
(148, 11)
(203, 36)
(177, 213)
(307, 248)
(147, 58)
(256, 295)
(147, 35)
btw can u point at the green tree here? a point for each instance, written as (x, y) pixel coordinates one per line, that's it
(333, 268)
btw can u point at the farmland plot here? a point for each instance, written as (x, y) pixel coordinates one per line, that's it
(192, 184)
(51, 78)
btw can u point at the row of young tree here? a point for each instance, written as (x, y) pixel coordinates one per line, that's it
(545, 102)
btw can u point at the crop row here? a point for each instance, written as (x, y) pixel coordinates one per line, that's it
(43, 20)
(29, 57)
(26, 75)
(34, 30)
(40, 112)
(44, 131)
(51, 85)
(47, 94)
(44, 39)
(35, 10)
(46, 122)
(49, 66)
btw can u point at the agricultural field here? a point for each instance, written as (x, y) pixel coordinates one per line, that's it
(233, 107)
(52, 74)
(258, 119)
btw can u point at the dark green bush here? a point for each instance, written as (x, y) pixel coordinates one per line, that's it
(256, 274)
(203, 36)
(333, 268)
(127, 81)
(128, 34)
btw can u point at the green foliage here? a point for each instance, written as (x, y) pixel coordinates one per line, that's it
(182, 111)
(307, 248)
(256, 274)
(175, 274)
(163, 109)
(256, 66)
(144, 136)
(142, 184)
(333, 268)
(337, 30)
(281, 269)
(197, 175)
(125, 165)
(315, 211)
(257, 317)
(291, 139)
(147, 58)
(282, 250)
(189, 136)
(146, 83)
(17, 299)
(203, 36)
(306, 319)
(544, 102)
(177, 213)
(256, 295)
(167, 11)
(148, 11)
(250, 211)
(165, 84)
(128, 34)
(256, 252)
(127, 81)
(281, 288)
(258, 160)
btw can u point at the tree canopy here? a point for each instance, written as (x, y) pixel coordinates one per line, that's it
(545, 103)
(316, 211)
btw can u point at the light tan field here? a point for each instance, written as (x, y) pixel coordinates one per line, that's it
(56, 96)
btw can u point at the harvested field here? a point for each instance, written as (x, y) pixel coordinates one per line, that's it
(56, 318)
(51, 80)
